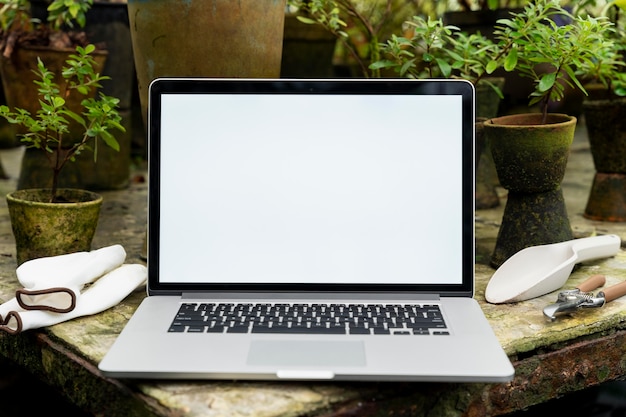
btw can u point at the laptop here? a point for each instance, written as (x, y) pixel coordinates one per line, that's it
(310, 230)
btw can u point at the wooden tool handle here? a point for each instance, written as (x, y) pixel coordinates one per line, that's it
(592, 283)
(614, 291)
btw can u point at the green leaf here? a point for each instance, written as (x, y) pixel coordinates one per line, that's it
(90, 48)
(546, 82)
(381, 64)
(492, 66)
(74, 116)
(445, 68)
(306, 20)
(110, 140)
(74, 8)
(511, 60)
(58, 102)
(407, 66)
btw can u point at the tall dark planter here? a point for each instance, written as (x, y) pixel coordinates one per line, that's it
(487, 105)
(606, 128)
(531, 158)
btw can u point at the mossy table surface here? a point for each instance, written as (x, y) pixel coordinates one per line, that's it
(551, 358)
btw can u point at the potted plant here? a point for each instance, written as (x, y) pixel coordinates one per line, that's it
(551, 47)
(605, 120)
(25, 39)
(54, 221)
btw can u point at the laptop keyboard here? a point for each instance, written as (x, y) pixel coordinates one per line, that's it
(364, 319)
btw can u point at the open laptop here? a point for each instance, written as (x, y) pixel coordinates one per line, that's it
(307, 230)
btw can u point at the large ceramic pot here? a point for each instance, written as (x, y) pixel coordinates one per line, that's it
(606, 127)
(217, 38)
(530, 158)
(45, 229)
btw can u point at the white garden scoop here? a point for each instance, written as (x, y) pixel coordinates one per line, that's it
(538, 270)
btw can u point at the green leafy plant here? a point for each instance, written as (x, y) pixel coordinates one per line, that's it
(49, 128)
(555, 49)
(359, 25)
(15, 16)
(19, 26)
(68, 13)
(608, 69)
(435, 50)
(423, 55)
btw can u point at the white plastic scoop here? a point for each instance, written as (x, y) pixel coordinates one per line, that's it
(538, 270)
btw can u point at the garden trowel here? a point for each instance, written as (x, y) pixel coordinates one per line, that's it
(538, 270)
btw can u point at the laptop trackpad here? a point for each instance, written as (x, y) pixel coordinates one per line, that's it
(306, 353)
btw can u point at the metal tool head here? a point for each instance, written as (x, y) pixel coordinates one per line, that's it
(551, 311)
(569, 301)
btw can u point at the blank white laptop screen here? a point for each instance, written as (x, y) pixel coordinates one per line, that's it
(298, 188)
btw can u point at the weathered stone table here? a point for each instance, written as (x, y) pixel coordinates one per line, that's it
(551, 359)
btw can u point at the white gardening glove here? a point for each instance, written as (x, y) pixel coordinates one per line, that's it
(106, 292)
(52, 283)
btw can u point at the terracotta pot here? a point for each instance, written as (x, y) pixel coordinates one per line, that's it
(45, 229)
(530, 159)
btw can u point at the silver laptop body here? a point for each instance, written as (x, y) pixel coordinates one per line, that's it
(338, 214)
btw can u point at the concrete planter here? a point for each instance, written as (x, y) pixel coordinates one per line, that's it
(606, 127)
(44, 229)
(530, 158)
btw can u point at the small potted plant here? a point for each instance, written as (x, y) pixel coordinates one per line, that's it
(25, 40)
(50, 221)
(605, 120)
(553, 48)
